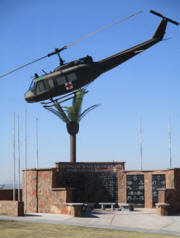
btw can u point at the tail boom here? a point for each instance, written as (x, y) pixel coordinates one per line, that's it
(117, 59)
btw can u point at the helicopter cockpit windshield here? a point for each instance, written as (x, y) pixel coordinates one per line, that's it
(32, 86)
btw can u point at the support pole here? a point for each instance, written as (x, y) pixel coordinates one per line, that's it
(73, 148)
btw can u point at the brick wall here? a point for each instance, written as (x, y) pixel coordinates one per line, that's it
(30, 202)
(12, 208)
(171, 195)
(41, 196)
(49, 189)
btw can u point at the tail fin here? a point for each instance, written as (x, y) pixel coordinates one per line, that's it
(160, 31)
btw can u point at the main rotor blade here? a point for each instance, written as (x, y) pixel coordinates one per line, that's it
(67, 46)
(34, 61)
(104, 28)
(18, 68)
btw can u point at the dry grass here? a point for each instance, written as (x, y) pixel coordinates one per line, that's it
(11, 229)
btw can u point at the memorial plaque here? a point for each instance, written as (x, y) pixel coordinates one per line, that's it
(135, 189)
(91, 186)
(158, 181)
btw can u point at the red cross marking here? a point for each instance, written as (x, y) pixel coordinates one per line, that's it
(68, 85)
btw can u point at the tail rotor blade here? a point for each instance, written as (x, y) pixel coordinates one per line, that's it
(160, 15)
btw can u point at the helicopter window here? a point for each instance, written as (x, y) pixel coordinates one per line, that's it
(82, 61)
(51, 83)
(61, 80)
(40, 86)
(76, 62)
(71, 77)
(32, 86)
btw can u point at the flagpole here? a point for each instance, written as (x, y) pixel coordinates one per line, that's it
(37, 152)
(18, 163)
(14, 159)
(170, 143)
(140, 141)
(37, 166)
(25, 158)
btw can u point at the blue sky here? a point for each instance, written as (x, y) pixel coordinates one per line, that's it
(146, 86)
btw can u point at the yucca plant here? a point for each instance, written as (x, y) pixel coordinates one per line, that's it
(72, 116)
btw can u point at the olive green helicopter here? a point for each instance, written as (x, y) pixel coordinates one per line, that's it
(68, 78)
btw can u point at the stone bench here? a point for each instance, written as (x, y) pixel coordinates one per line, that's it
(126, 206)
(104, 204)
(88, 206)
(74, 209)
(162, 208)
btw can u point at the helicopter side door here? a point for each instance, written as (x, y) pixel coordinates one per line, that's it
(51, 83)
(40, 87)
(60, 80)
(71, 77)
(44, 85)
(64, 79)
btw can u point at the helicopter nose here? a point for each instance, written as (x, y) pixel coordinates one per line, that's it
(28, 96)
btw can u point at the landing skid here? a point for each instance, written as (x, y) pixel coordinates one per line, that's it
(51, 101)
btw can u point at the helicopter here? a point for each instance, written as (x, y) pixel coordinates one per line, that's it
(68, 78)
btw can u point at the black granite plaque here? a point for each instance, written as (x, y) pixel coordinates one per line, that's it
(135, 189)
(91, 186)
(158, 181)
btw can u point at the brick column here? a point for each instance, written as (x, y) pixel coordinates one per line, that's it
(31, 205)
(148, 190)
(121, 187)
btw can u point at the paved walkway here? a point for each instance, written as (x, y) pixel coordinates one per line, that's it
(141, 220)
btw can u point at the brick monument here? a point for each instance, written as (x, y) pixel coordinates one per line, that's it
(50, 190)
